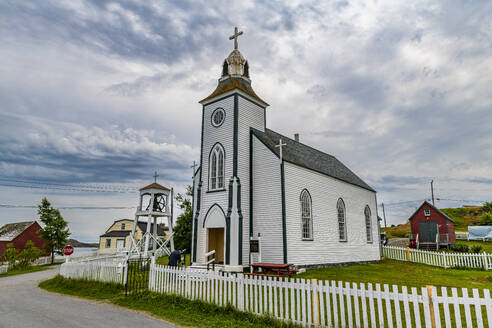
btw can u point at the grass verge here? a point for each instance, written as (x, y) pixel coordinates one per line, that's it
(23, 271)
(171, 308)
(404, 274)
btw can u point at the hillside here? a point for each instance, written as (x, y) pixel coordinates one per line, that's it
(462, 216)
(76, 243)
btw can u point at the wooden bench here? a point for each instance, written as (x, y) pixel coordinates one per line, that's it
(272, 270)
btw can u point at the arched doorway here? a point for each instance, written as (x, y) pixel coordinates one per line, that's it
(215, 225)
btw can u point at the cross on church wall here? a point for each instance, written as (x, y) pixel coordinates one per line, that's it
(235, 36)
(281, 146)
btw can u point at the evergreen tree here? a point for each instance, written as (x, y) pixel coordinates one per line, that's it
(55, 231)
(182, 229)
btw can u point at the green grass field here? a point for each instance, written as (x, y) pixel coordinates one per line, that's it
(175, 309)
(486, 245)
(403, 274)
(23, 271)
(165, 259)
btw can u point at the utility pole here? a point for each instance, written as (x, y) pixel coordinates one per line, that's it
(384, 215)
(432, 192)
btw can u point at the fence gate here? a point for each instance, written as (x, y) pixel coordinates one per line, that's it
(137, 275)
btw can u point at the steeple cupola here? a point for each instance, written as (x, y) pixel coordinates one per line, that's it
(235, 74)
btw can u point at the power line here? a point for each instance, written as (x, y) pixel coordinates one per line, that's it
(78, 186)
(64, 189)
(72, 207)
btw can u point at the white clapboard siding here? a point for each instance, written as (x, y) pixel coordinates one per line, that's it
(326, 304)
(441, 259)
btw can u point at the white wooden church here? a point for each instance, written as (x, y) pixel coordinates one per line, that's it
(304, 206)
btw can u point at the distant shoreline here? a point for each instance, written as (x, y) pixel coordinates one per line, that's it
(76, 243)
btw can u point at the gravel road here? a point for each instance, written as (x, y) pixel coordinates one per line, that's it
(24, 305)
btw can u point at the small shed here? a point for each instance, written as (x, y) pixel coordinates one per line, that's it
(431, 228)
(19, 233)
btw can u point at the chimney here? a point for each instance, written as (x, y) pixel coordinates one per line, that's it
(296, 137)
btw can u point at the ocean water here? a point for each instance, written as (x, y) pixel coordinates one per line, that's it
(79, 252)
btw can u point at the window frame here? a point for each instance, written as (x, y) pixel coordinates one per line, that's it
(108, 243)
(305, 193)
(123, 225)
(216, 168)
(212, 121)
(341, 204)
(368, 224)
(427, 212)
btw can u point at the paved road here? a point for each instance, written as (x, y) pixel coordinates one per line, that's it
(24, 305)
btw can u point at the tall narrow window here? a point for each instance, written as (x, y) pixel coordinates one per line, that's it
(217, 168)
(306, 215)
(342, 224)
(367, 214)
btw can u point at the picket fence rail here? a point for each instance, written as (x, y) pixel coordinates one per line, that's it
(441, 259)
(328, 304)
(98, 271)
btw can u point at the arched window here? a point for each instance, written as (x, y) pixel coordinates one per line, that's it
(217, 168)
(342, 224)
(367, 214)
(306, 215)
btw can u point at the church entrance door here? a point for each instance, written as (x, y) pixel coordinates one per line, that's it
(216, 242)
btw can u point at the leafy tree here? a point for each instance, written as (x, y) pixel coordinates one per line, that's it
(10, 255)
(487, 207)
(182, 229)
(486, 219)
(28, 255)
(55, 231)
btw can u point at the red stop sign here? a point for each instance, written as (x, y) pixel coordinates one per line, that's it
(67, 250)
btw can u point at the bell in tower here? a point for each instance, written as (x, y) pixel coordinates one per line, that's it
(156, 201)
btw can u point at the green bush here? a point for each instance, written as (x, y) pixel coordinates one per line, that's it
(461, 248)
(487, 207)
(28, 255)
(476, 249)
(10, 255)
(485, 219)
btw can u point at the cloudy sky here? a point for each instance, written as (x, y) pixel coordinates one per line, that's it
(96, 95)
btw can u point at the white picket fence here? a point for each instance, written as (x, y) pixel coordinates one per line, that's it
(441, 259)
(94, 270)
(330, 304)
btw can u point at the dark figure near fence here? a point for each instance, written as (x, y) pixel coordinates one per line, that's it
(175, 258)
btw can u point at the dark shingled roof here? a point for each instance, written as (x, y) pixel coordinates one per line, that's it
(308, 157)
(11, 230)
(117, 233)
(232, 83)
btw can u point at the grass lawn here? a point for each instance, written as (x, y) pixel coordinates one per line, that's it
(403, 274)
(175, 309)
(164, 260)
(22, 271)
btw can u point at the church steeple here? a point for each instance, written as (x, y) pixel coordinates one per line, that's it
(235, 73)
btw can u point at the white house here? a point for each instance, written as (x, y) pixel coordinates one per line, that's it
(304, 206)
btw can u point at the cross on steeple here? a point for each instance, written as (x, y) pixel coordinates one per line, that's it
(281, 145)
(155, 176)
(235, 36)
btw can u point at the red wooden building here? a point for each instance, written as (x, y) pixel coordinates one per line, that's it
(18, 234)
(431, 228)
